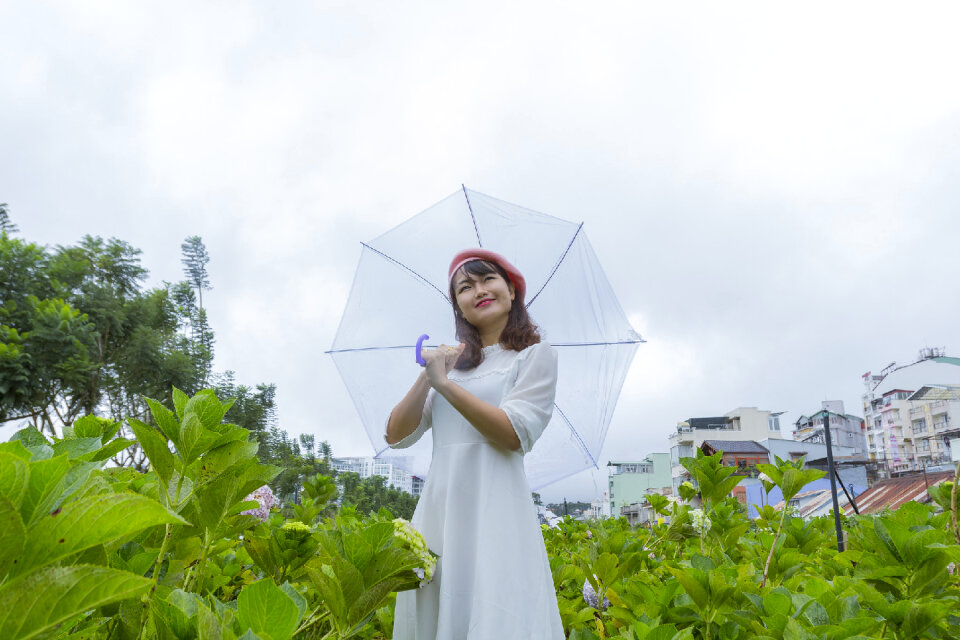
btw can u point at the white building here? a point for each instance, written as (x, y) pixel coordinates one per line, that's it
(744, 423)
(845, 430)
(934, 414)
(369, 466)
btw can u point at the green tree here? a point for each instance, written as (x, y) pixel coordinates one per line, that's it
(6, 226)
(195, 259)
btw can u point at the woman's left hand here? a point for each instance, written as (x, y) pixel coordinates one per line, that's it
(439, 363)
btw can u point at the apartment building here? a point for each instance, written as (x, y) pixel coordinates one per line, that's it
(888, 429)
(630, 480)
(367, 466)
(933, 412)
(845, 429)
(743, 423)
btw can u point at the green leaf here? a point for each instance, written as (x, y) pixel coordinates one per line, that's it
(88, 427)
(180, 400)
(14, 474)
(264, 608)
(605, 568)
(40, 600)
(208, 627)
(13, 535)
(16, 448)
(296, 596)
(885, 538)
(166, 421)
(207, 408)
(214, 502)
(194, 439)
(690, 582)
(775, 602)
(43, 488)
(91, 521)
(109, 450)
(220, 459)
(155, 446)
(76, 447)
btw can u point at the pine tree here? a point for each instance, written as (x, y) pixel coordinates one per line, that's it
(6, 226)
(195, 259)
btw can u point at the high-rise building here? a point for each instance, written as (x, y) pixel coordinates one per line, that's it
(368, 466)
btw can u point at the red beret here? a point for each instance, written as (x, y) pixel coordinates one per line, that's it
(519, 284)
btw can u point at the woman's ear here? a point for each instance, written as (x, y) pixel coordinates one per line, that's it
(513, 290)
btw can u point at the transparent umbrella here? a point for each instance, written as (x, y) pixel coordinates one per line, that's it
(400, 292)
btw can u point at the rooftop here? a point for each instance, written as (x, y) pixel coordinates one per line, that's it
(896, 491)
(937, 392)
(735, 446)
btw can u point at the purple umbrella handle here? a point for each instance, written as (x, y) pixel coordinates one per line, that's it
(420, 359)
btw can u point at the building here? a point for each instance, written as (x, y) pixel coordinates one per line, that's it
(744, 423)
(933, 411)
(630, 480)
(845, 429)
(368, 466)
(913, 430)
(889, 439)
(745, 455)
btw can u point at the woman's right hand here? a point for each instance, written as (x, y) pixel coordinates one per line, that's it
(439, 363)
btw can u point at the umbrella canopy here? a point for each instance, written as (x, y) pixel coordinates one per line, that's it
(400, 291)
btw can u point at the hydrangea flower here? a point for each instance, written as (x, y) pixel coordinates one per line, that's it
(264, 496)
(413, 540)
(700, 521)
(765, 478)
(590, 596)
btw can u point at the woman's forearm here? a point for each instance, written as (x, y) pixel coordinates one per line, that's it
(407, 414)
(489, 420)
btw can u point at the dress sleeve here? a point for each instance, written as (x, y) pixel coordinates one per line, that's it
(529, 404)
(426, 421)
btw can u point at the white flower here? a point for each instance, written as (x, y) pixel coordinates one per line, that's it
(414, 541)
(700, 521)
(267, 501)
(765, 478)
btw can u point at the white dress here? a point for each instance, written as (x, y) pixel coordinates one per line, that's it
(476, 511)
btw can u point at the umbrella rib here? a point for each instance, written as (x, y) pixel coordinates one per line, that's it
(403, 266)
(402, 346)
(576, 434)
(554, 344)
(556, 266)
(595, 344)
(472, 217)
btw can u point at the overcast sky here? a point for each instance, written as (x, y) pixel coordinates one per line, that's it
(771, 190)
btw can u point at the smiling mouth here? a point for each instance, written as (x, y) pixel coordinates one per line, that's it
(484, 303)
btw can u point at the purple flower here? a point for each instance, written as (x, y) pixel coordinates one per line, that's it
(264, 496)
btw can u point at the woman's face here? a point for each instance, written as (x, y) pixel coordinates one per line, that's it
(484, 300)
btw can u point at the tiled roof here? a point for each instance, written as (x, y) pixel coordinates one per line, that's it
(736, 446)
(894, 492)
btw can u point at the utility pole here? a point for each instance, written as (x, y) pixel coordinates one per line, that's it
(833, 478)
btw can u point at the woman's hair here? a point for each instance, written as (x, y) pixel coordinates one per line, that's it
(519, 333)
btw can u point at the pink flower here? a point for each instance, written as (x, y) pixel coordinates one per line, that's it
(267, 501)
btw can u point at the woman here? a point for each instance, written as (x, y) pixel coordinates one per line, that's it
(487, 400)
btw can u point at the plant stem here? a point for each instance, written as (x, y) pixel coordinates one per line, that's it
(773, 546)
(953, 505)
(203, 560)
(167, 531)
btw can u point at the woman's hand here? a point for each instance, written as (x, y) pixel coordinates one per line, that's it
(439, 363)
